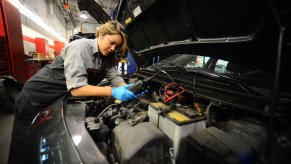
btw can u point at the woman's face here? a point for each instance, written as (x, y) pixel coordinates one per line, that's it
(109, 44)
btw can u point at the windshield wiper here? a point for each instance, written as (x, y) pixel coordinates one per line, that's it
(227, 79)
(165, 65)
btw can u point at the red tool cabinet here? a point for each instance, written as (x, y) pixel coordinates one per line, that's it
(32, 68)
(12, 58)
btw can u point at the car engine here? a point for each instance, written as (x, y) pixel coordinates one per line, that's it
(170, 124)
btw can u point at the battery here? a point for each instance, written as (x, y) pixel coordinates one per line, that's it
(173, 123)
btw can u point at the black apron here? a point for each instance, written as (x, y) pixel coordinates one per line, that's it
(45, 87)
(95, 76)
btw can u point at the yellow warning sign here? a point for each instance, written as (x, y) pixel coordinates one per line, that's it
(178, 116)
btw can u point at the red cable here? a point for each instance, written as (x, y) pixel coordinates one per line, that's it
(167, 97)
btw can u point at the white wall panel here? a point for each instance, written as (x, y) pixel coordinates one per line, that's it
(28, 46)
(42, 10)
(30, 4)
(54, 19)
(27, 31)
(53, 16)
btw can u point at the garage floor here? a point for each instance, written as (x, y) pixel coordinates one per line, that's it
(6, 123)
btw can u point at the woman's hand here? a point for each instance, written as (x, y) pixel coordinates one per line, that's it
(121, 93)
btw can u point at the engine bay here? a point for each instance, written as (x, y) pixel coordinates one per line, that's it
(169, 124)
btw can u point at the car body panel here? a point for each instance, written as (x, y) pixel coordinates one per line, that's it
(60, 135)
(50, 140)
(213, 96)
(244, 31)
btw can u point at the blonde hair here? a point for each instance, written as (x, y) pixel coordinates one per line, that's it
(114, 27)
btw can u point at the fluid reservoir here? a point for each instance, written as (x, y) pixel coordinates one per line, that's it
(177, 123)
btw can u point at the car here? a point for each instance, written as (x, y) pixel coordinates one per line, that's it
(232, 106)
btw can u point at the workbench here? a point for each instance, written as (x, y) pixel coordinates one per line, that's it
(34, 65)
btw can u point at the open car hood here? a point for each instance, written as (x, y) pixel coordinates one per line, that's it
(243, 31)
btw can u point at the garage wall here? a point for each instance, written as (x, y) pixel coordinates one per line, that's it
(86, 28)
(31, 34)
(50, 14)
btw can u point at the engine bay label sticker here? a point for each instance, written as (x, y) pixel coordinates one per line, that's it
(136, 11)
(178, 116)
(128, 20)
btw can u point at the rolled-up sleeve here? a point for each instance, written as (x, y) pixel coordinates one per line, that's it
(77, 59)
(114, 76)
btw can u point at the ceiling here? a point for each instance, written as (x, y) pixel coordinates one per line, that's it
(71, 11)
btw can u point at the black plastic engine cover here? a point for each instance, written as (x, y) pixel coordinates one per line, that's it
(215, 146)
(251, 131)
(143, 143)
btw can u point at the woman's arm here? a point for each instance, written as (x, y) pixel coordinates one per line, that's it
(119, 93)
(91, 90)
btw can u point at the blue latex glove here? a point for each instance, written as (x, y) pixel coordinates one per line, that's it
(121, 93)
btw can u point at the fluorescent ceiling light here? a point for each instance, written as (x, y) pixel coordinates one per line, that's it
(84, 15)
(36, 19)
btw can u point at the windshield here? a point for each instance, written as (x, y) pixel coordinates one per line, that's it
(192, 63)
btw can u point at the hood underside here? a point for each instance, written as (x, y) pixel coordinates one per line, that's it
(241, 31)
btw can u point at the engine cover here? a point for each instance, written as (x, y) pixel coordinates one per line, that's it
(143, 143)
(213, 145)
